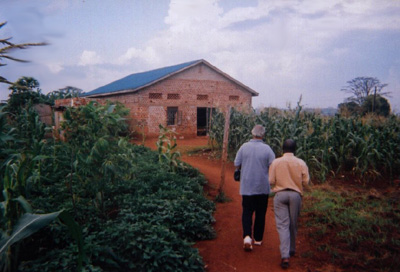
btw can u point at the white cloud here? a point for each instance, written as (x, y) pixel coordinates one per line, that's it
(183, 15)
(281, 49)
(55, 68)
(147, 54)
(89, 58)
(276, 45)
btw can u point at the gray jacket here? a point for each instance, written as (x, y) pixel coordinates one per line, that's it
(254, 158)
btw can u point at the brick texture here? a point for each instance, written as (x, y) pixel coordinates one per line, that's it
(197, 87)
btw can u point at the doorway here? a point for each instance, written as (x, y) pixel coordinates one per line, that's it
(203, 120)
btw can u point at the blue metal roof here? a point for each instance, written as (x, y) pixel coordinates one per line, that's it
(135, 81)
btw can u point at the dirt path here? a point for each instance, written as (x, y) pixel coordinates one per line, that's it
(225, 253)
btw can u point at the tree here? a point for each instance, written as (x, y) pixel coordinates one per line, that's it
(376, 104)
(349, 108)
(362, 87)
(67, 92)
(9, 46)
(24, 91)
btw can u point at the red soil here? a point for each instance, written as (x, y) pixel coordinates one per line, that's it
(225, 252)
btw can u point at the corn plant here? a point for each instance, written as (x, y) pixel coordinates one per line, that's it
(21, 168)
(98, 156)
(366, 148)
(165, 146)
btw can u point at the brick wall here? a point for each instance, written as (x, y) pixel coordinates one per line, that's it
(199, 86)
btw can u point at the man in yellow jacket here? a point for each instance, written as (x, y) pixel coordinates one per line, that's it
(288, 174)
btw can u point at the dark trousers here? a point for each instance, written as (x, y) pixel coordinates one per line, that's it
(254, 204)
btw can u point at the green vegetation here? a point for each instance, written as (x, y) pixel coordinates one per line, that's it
(128, 209)
(365, 148)
(351, 227)
(366, 96)
(166, 146)
(355, 229)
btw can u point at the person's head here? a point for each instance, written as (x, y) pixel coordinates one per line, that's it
(289, 146)
(258, 131)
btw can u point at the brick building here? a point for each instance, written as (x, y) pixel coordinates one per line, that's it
(180, 97)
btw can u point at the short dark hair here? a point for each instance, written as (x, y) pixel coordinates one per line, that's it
(289, 146)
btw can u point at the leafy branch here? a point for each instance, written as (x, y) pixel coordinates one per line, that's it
(8, 47)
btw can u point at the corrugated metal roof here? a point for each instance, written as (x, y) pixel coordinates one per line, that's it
(137, 81)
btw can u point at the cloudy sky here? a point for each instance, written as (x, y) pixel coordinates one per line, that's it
(281, 49)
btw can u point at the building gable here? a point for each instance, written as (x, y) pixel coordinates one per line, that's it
(138, 81)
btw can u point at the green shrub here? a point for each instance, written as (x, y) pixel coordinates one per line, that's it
(136, 214)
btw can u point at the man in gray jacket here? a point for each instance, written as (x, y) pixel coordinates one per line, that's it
(254, 159)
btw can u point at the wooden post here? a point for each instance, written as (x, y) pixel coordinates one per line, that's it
(225, 149)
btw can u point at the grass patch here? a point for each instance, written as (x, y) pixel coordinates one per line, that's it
(355, 229)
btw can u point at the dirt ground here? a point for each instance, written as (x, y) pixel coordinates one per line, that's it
(225, 252)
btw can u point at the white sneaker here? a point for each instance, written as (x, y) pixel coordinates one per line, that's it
(257, 243)
(247, 244)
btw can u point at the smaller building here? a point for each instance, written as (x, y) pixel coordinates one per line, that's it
(180, 97)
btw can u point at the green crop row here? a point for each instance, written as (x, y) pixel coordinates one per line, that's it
(132, 211)
(367, 148)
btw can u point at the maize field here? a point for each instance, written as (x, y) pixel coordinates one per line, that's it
(366, 148)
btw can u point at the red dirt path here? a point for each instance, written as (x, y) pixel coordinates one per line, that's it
(225, 252)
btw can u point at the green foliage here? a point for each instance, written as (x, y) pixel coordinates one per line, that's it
(31, 223)
(85, 125)
(339, 222)
(7, 135)
(361, 87)
(135, 213)
(67, 92)
(377, 105)
(7, 47)
(166, 146)
(349, 108)
(24, 91)
(365, 148)
(372, 104)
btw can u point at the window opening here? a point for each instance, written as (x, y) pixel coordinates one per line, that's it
(155, 95)
(173, 96)
(172, 116)
(202, 97)
(233, 98)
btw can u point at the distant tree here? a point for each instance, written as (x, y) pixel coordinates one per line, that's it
(362, 87)
(349, 108)
(376, 104)
(24, 91)
(67, 92)
(9, 46)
